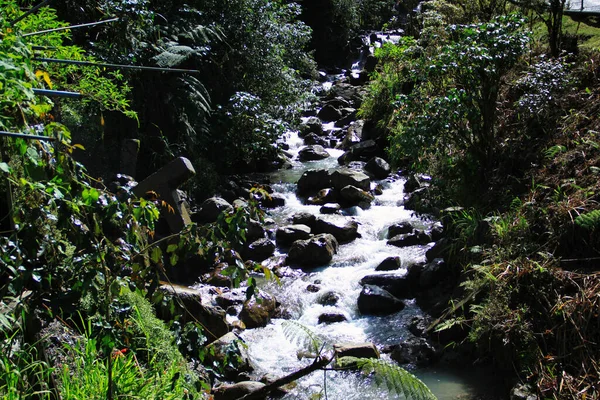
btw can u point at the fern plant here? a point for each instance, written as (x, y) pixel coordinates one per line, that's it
(589, 221)
(396, 379)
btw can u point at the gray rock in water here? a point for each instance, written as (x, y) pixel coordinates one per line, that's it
(329, 113)
(432, 273)
(330, 208)
(416, 351)
(255, 231)
(312, 139)
(328, 298)
(259, 250)
(324, 196)
(397, 285)
(354, 135)
(304, 218)
(378, 167)
(311, 153)
(362, 151)
(522, 392)
(312, 125)
(330, 318)
(358, 350)
(237, 390)
(389, 264)
(401, 228)
(343, 233)
(313, 252)
(313, 180)
(287, 235)
(374, 300)
(351, 196)
(211, 208)
(409, 239)
(343, 177)
(256, 314)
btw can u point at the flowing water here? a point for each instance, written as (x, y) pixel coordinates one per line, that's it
(273, 353)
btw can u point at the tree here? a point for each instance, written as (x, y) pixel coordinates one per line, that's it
(551, 13)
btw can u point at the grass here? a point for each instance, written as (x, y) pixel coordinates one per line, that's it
(588, 30)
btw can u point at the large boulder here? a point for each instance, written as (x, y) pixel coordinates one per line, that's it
(311, 125)
(330, 208)
(378, 168)
(348, 116)
(401, 228)
(313, 180)
(343, 233)
(259, 250)
(415, 351)
(362, 151)
(332, 317)
(212, 318)
(389, 264)
(286, 235)
(254, 231)
(323, 196)
(313, 252)
(230, 351)
(405, 240)
(358, 350)
(374, 300)
(353, 136)
(347, 92)
(311, 153)
(313, 139)
(237, 390)
(343, 177)
(351, 196)
(258, 311)
(211, 208)
(329, 113)
(397, 285)
(432, 273)
(304, 218)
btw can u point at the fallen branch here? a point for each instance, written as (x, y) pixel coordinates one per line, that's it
(319, 363)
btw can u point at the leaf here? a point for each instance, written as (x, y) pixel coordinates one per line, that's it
(156, 255)
(171, 248)
(45, 76)
(4, 167)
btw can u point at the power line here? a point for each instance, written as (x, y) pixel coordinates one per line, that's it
(72, 27)
(107, 65)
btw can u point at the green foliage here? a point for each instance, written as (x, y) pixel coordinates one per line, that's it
(302, 336)
(396, 379)
(589, 221)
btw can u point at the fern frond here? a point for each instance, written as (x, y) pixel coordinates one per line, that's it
(302, 336)
(396, 379)
(589, 221)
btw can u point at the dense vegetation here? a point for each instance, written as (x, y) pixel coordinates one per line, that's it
(493, 99)
(499, 110)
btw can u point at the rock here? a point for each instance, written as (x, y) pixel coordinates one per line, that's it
(358, 79)
(346, 92)
(348, 116)
(358, 350)
(273, 200)
(389, 264)
(397, 285)
(304, 218)
(418, 326)
(311, 153)
(343, 177)
(330, 318)
(212, 318)
(211, 208)
(378, 168)
(522, 392)
(287, 235)
(351, 196)
(237, 390)
(401, 228)
(330, 208)
(230, 351)
(438, 250)
(225, 302)
(329, 113)
(259, 250)
(362, 151)
(313, 252)
(432, 273)
(370, 63)
(353, 136)
(313, 139)
(338, 102)
(409, 239)
(412, 183)
(311, 125)
(416, 351)
(312, 288)
(437, 231)
(328, 298)
(374, 300)
(313, 180)
(344, 234)
(255, 231)
(324, 196)
(257, 314)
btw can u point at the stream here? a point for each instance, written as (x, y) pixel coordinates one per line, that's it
(301, 292)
